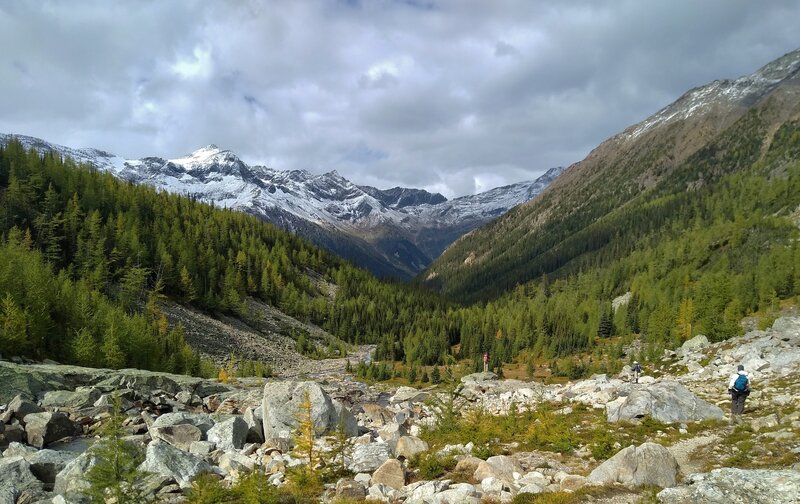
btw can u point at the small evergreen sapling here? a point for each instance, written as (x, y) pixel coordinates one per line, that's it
(116, 473)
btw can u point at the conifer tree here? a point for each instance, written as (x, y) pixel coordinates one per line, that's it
(13, 328)
(116, 474)
(304, 435)
(84, 348)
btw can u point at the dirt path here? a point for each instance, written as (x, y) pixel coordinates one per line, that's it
(683, 450)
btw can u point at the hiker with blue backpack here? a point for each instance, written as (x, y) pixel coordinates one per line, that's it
(739, 388)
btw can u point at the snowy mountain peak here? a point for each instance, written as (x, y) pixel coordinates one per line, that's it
(419, 223)
(724, 94)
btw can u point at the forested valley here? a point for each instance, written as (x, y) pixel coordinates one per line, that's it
(86, 260)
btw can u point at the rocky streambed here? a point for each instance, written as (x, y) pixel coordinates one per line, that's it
(51, 416)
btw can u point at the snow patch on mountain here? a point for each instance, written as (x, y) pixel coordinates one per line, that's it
(218, 176)
(725, 93)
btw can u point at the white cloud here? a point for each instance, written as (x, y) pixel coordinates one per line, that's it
(449, 95)
(198, 65)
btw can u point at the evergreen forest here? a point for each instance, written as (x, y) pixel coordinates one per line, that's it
(87, 260)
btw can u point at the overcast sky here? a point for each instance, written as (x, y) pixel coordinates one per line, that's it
(454, 96)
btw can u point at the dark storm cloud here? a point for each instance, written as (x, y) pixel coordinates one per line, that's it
(450, 95)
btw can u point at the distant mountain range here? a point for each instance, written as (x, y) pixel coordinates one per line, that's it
(393, 232)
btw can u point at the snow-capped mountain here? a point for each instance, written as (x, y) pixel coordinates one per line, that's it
(725, 93)
(395, 232)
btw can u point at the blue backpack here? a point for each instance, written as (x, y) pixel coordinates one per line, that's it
(741, 384)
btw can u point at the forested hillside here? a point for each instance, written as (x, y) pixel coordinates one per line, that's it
(86, 258)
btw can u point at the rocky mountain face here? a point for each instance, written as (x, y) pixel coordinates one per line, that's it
(394, 232)
(632, 439)
(680, 148)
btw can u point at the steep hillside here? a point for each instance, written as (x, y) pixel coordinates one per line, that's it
(601, 208)
(394, 232)
(92, 266)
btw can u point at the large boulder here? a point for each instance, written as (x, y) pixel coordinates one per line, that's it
(15, 477)
(200, 420)
(391, 473)
(501, 467)
(167, 460)
(45, 428)
(666, 401)
(19, 408)
(736, 486)
(344, 418)
(649, 464)
(409, 446)
(408, 394)
(230, 434)
(180, 436)
(350, 489)
(697, 343)
(27, 381)
(254, 417)
(369, 457)
(46, 464)
(281, 406)
(79, 399)
(71, 480)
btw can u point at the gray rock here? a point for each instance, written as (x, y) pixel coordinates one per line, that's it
(409, 447)
(202, 448)
(698, 342)
(230, 434)
(79, 399)
(479, 378)
(180, 436)
(45, 428)
(345, 418)
(666, 401)
(461, 493)
(648, 464)
(199, 420)
(531, 488)
(14, 433)
(501, 467)
(367, 458)
(234, 461)
(767, 422)
(254, 417)
(16, 478)
(71, 480)
(16, 449)
(281, 405)
(408, 394)
(422, 492)
(27, 381)
(736, 486)
(573, 482)
(350, 489)
(46, 464)
(492, 486)
(19, 407)
(183, 467)
(787, 327)
(391, 473)
(382, 493)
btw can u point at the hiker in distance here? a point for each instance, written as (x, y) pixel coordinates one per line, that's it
(637, 370)
(739, 388)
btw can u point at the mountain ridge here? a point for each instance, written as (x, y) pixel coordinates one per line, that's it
(394, 232)
(531, 239)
